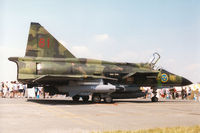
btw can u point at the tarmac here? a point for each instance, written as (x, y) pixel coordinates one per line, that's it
(63, 115)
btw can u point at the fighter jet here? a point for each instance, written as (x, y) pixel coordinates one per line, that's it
(49, 64)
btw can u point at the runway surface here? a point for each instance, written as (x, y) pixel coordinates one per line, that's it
(61, 115)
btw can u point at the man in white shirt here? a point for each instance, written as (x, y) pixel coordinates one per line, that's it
(11, 89)
(5, 90)
(15, 89)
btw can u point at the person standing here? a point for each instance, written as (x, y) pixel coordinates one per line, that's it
(168, 93)
(164, 93)
(189, 91)
(5, 89)
(11, 89)
(36, 91)
(20, 86)
(1, 89)
(182, 93)
(15, 89)
(199, 94)
(172, 91)
(24, 89)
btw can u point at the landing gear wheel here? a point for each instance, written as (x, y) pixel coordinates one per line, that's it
(154, 99)
(96, 99)
(85, 98)
(76, 98)
(108, 100)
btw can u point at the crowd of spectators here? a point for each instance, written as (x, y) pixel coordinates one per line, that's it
(173, 93)
(12, 89)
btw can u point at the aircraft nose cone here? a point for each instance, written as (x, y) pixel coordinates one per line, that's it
(186, 82)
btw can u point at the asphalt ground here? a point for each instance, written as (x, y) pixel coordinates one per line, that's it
(63, 115)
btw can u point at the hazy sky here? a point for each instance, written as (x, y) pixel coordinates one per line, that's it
(114, 30)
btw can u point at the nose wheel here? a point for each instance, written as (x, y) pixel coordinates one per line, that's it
(154, 98)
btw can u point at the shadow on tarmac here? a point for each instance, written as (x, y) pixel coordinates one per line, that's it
(116, 101)
(57, 102)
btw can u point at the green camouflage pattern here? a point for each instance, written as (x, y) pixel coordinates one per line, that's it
(47, 62)
(138, 74)
(42, 44)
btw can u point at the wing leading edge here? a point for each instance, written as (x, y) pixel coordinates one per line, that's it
(63, 78)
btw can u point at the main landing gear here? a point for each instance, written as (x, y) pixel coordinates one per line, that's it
(85, 98)
(154, 98)
(76, 98)
(97, 98)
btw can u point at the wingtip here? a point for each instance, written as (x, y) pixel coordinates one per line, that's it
(13, 59)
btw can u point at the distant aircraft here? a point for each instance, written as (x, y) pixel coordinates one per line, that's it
(49, 64)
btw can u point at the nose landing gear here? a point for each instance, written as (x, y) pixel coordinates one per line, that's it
(154, 98)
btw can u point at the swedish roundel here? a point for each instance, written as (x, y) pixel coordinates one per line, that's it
(164, 78)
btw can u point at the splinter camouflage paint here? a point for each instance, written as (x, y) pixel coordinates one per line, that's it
(48, 63)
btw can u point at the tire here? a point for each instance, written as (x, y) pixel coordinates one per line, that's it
(108, 100)
(96, 99)
(154, 99)
(76, 98)
(85, 98)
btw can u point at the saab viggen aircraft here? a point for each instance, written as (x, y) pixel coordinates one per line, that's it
(49, 64)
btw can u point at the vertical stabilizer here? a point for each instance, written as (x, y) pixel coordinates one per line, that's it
(42, 44)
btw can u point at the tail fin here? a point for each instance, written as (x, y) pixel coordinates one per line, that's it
(42, 44)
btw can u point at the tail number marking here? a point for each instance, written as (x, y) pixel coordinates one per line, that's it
(41, 43)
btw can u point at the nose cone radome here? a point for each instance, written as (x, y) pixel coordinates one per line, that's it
(186, 82)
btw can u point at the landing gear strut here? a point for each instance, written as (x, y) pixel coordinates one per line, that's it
(154, 98)
(76, 98)
(85, 98)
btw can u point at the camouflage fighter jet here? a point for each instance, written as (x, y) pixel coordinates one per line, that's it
(49, 64)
